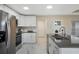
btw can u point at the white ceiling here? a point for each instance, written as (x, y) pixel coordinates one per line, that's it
(40, 9)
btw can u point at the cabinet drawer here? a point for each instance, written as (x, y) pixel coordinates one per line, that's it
(29, 37)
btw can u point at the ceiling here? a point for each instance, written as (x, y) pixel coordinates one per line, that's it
(40, 9)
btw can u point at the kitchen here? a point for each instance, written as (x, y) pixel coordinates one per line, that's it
(37, 25)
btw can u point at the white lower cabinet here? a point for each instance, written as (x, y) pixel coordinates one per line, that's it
(69, 50)
(53, 48)
(56, 50)
(28, 37)
(50, 46)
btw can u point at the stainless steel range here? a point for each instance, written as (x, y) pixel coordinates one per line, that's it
(18, 37)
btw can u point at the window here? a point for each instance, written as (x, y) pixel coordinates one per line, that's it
(58, 23)
(75, 28)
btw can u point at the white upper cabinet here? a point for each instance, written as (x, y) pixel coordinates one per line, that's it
(27, 21)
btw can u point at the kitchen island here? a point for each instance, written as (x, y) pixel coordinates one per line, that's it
(61, 46)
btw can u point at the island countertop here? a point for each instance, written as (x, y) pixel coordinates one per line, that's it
(65, 43)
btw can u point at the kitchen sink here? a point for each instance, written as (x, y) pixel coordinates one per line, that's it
(61, 39)
(58, 41)
(58, 37)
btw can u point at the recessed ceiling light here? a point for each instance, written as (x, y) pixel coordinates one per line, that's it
(49, 7)
(26, 8)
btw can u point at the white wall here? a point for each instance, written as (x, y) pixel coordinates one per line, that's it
(8, 10)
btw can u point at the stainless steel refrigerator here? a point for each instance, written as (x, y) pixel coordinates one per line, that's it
(7, 33)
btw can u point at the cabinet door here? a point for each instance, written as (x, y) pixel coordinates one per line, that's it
(27, 21)
(20, 21)
(33, 37)
(56, 50)
(29, 38)
(51, 46)
(26, 37)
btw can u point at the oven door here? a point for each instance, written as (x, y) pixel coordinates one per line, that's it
(18, 40)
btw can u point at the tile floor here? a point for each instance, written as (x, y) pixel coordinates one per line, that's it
(26, 49)
(31, 49)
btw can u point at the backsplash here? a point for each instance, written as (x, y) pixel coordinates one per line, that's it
(65, 19)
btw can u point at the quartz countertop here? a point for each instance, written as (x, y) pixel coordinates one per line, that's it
(65, 42)
(29, 32)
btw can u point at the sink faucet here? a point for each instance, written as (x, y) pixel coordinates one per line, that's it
(62, 28)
